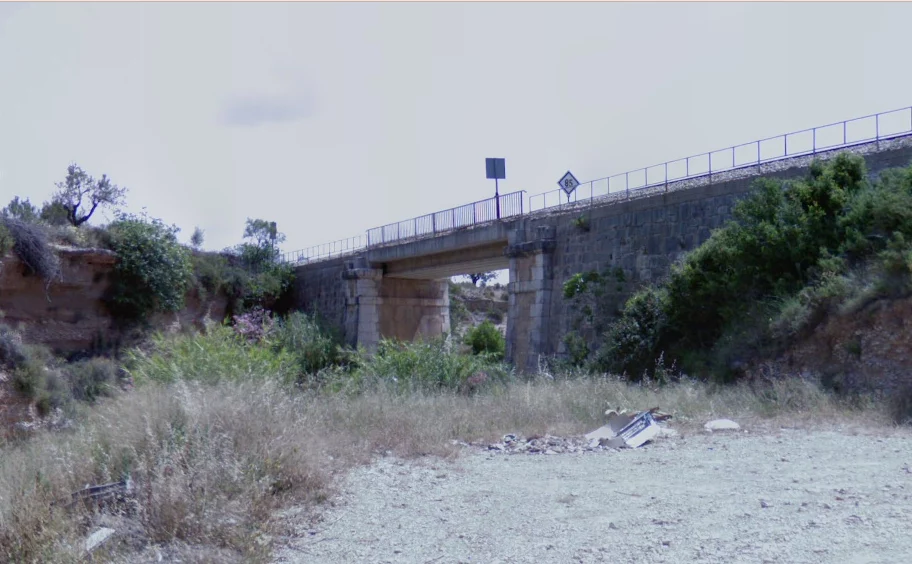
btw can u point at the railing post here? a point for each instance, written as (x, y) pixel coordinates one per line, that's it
(415, 227)
(877, 129)
(666, 177)
(687, 167)
(434, 223)
(709, 161)
(758, 157)
(785, 144)
(844, 133)
(627, 183)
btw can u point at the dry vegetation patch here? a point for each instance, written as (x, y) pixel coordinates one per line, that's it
(210, 464)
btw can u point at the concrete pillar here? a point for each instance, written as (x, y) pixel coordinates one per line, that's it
(362, 305)
(529, 318)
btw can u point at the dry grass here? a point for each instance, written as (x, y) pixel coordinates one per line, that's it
(212, 463)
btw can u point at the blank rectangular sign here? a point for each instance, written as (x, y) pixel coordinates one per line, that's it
(496, 168)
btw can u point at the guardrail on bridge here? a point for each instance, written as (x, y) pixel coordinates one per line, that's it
(842, 134)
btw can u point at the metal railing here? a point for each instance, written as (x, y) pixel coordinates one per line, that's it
(335, 249)
(857, 131)
(468, 215)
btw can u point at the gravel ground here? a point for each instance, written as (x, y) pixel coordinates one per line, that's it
(785, 496)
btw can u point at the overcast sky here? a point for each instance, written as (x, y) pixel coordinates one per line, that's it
(331, 118)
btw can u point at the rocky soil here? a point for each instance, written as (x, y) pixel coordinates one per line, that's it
(784, 495)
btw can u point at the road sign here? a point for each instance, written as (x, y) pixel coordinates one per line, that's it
(568, 183)
(496, 169)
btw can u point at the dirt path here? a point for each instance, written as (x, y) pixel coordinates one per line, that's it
(790, 496)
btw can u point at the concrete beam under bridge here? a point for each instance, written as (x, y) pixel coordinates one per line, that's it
(483, 258)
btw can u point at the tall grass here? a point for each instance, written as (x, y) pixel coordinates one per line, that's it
(214, 438)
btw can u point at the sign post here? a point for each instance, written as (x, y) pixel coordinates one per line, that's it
(496, 169)
(568, 184)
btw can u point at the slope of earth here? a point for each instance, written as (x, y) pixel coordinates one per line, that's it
(867, 350)
(471, 306)
(784, 496)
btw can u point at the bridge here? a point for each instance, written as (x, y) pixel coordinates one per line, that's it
(391, 281)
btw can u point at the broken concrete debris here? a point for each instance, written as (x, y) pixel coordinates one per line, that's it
(626, 430)
(721, 425)
(623, 430)
(96, 538)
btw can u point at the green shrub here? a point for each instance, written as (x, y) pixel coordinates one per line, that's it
(634, 342)
(13, 353)
(313, 346)
(216, 356)
(23, 210)
(91, 378)
(6, 240)
(577, 349)
(427, 365)
(783, 262)
(153, 271)
(31, 245)
(33, 372)
(486, 339)
(54, 213)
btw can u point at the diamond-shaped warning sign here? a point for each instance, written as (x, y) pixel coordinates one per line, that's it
(568, 183)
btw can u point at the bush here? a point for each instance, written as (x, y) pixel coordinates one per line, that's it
(23, 210)
(635, 341)
(486, 339)
(54, 213)
(6, 240)
(92, 378)
(219, 355)
(13, 353)
(794, 251)
(33, 373)
(31, 245)
(309, 342)
(153, 270)
(427, 365)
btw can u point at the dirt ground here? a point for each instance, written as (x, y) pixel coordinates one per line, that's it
(784, 495)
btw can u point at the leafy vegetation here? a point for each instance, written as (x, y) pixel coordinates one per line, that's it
(80, 191)
(153, 270)
(481, 278)
(793, 251)
(486, 339)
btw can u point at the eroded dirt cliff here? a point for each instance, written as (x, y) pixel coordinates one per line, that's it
(69, 314)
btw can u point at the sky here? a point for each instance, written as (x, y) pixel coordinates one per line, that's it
(332, 118)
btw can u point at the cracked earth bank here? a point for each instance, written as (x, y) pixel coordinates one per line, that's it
(788, 496)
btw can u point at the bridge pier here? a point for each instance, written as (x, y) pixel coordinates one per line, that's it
(530, 293)
(381, 307)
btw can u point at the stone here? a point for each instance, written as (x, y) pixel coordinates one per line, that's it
(721, 425)
(97, 538)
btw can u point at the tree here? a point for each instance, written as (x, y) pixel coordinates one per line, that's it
(79, 186)
(262, 249)
(483, 277)
(22, 210)
(196, 240)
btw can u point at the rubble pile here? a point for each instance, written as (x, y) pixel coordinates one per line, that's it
(623, 430)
